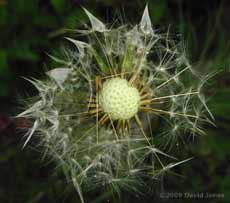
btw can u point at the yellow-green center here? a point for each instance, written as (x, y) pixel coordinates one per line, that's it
(118, 99)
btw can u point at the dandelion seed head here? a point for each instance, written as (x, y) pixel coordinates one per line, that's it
(118, 99)
(94, 114)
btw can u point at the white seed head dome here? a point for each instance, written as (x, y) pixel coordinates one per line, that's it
(118, 99)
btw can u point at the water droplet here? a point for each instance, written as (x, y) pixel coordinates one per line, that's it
(97, 25)
(146, 25)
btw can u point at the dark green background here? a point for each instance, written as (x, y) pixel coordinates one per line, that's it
(31, 28)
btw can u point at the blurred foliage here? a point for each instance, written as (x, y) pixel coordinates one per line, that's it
(32, 28)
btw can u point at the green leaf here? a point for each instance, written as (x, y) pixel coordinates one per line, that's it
(58, 5)
(225, 186)
(74, 19)
(4, 73)
(3, 16)
(4, 89)
(157, 10)
(3, 62)
(22, 51)
(8, 154)
(215, 144)
(219, 104)
(45, 21)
